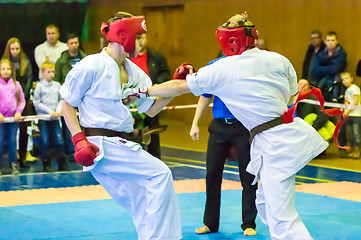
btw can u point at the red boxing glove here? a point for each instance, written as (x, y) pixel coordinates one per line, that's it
(183, 70)
(85, 151)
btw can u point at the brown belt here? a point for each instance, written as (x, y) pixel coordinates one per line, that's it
(111, 133)
(264, 126)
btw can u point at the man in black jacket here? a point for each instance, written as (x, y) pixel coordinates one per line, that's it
(326, 69)
(155, 65)
(68, 58)
(316, 46)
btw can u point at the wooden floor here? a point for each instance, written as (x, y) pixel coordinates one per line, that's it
(177, 136)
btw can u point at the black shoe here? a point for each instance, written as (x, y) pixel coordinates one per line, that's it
(70, 158)
(48, 169)
(24, 164)
(47, 166)
(62, 164)
(64, 167)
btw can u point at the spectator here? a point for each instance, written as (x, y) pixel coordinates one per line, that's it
(315, 47)
(350, 130)
(156, 67)
(63, 65)
(47, 100)
(51, 49)
(327, 67)
(68, 58)
(24, 75)
(12, 103)
(312, 115)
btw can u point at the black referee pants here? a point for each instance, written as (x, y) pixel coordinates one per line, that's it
(222, 137)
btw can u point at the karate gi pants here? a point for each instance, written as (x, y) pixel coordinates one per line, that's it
(143, 185)
(276, 206)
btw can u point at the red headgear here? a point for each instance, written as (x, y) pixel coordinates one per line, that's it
(235, 40)
(124, 31)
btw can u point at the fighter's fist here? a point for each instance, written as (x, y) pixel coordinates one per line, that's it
(183, 70)
(135, 92)
(85, 151)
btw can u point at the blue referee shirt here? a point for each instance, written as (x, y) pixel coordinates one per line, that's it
(219, 108)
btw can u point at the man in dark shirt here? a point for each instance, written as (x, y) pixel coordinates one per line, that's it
(316, 46)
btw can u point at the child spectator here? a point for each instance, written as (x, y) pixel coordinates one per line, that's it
(350, 131)
(24, 75)
(12, 103)
(47, 100)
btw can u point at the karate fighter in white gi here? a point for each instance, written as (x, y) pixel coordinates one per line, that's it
(136, 180)
(256, 86)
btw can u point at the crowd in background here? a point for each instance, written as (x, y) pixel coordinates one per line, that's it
(22, 95)
(324, 67)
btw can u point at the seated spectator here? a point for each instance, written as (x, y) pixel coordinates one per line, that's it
(327, 67)
(312, 115)
(303, 109)
(47, 100)
(12, 103)
(24, 75)
(63, 65)
(350, 130)
(321, 122)
(51, 49)
(315, 47)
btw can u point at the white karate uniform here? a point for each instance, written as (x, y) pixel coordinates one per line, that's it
(136, 180)
(256, 87)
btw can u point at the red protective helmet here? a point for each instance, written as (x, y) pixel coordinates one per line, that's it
(124, 31)
(236, 40)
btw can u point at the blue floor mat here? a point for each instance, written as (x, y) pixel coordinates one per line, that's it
(325, 217)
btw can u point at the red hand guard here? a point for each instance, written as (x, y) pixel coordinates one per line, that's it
(85, 152)
(183, 70)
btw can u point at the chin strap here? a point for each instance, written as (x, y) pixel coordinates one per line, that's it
(288, 116)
